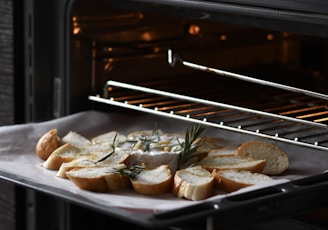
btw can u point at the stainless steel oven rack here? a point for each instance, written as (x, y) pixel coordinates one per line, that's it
(215, 114)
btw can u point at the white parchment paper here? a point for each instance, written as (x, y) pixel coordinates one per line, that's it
(18, 158)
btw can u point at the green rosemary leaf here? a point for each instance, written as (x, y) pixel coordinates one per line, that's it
(131, 171)
(109, 154)
(189, 146)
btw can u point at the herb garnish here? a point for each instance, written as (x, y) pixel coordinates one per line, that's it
(130, 172)
(189, 146)
(109, 154)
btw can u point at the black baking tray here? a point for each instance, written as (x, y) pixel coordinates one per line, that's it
(300, 194)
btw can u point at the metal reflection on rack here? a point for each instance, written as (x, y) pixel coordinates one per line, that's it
(173, 58)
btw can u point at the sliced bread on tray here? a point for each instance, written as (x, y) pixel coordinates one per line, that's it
(232, 162)
(276, 159)
(47, 144)
(193, 183)
(153, 181)
(99, 178)
(232, 180)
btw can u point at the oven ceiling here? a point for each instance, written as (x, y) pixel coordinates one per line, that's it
(304, 16)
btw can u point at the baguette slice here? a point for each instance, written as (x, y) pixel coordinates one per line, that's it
(193, 183)
(75, 138)
(232, 162)
(211, 143)
(47, 144)
(276, 159)
(109, 138)
(99, 178)
(92, 159)
(232, 180)
(64, 153)
(69, 152)
(153, 181)
(228, 151)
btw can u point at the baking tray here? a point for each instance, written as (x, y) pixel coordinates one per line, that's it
(301, 187)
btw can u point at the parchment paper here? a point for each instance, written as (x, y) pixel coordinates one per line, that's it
(18, 158)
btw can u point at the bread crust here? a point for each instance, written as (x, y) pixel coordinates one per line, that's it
(47, 144)
(99, 178)
(94, 184)
(230, 184)
(58, 156)
(157, 187)
(194, 183)
(232, 162)
(276, 159)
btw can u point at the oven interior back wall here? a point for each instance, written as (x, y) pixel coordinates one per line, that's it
(114, 43)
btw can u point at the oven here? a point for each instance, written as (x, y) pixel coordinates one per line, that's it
(249, 68)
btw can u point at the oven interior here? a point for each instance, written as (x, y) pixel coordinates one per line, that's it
(283, 74)
(115, 56)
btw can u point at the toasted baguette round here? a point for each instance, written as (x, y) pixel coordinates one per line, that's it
(193, 183)
(276, 159)
(211, 143)
(92, 159)
(228, 151)
(232, 180)
(99, 178)
(109, 138)
(75, 138)
(232, 162)
(64, 153)
(47, 144)
(153, 181)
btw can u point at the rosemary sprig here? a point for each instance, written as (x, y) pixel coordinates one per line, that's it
(109, 154)
(189, 146)
(131, 171)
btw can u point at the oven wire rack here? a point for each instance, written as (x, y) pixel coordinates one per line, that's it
(215, 114)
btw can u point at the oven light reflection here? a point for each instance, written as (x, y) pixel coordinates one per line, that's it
(147, 36)
(76, 28)
(223, 37)
(270, 37)
(194, 30)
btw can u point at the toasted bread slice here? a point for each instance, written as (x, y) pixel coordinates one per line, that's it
(232, 180)
(228, 151)
(109, 138)
(69, 152)
(232, 162)
(47, 144)
(64, 153)
(99, 178)
(276, 159)
(154, 181)
(211, 143)
(75, 138)
(93, 159)
(193, 183)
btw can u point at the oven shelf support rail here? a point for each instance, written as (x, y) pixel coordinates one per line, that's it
(173, 58)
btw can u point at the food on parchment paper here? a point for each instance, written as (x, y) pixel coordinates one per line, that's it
(232, 162)
(152, 162)
(99, 178)
(276, 159)
(231, 180)
(193, 183)
(154, 181)
(47, 144)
